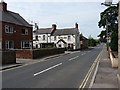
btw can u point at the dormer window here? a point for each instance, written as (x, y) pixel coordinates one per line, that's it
(8, 29)
(24, 31)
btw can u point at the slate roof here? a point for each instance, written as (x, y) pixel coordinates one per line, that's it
(15, 18)
(67, 31)
(43, 31)
(57, 32)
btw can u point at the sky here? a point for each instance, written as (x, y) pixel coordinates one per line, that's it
(64, 13)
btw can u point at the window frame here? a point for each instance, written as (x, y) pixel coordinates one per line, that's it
(9, 29)
(25, 31)
(69, 38)
(23, 44)
(7, 44)
(44, 38)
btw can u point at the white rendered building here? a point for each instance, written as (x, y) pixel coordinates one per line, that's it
(61, 38)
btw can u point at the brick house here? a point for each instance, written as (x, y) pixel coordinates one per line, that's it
(83, 42)
(15, 31)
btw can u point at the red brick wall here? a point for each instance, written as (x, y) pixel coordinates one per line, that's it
(38, 53)
(24, 53)
(8, 57)
(17, 37)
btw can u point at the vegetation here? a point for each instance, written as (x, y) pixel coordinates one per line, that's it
(109, 21)
(92, 42)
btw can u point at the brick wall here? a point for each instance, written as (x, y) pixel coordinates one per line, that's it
(17, 37)
(8, 57)
(38, 53)
(24, 53)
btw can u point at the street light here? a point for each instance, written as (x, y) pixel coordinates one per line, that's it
(107, 3)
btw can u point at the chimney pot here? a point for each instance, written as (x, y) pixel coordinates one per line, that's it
(76, 25)
(54, 26)
(3, 6)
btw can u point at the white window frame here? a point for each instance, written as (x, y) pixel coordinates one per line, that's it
(55, 38)
(69, 38)
(26, 32)
(23, 44)
(8, 29)
(44, 37)
(7, 44)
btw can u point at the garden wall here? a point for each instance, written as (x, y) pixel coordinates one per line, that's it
(8, 57)
(38, 53)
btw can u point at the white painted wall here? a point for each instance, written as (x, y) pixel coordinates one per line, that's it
(74, 39)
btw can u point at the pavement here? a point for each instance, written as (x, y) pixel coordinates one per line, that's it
(66, 71)
(106, 76)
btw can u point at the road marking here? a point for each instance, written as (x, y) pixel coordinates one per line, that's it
(73, 58)
(84, 82)
(39, 61)
(83, 53)
(47, 69)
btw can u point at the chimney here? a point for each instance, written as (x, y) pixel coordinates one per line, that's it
(54, 26)
(3, 6)
(76, 25)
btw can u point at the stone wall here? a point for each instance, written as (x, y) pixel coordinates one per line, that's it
(38, 53)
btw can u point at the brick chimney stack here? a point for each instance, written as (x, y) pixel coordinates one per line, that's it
(54, 26)
(76, 25)
(3, 6)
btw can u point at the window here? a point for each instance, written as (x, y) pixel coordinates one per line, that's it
(8, 29)
(55, 38)
(36, 37)
(26, 44)
(69, 38)
(43, 37)
(9, 44)
(24, 31)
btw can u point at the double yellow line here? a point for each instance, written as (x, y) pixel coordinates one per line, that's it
(84, 82)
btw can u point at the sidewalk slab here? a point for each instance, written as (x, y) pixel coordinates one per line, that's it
(106, 75)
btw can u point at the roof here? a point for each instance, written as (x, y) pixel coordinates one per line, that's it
(43, 31)
(83, 37)
(66, 31)
(62, 41)
(15, 18)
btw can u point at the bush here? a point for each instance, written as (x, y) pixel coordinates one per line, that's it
(114, 41)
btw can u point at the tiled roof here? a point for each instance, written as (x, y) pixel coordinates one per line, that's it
(15, 18)
(43, 31)
(67, 31)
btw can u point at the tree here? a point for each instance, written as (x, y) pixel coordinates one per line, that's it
(109, 21)
(92, 42)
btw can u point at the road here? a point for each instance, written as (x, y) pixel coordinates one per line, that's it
(63, 72)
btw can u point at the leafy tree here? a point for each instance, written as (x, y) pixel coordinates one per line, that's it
(92, 42)
(109, 21)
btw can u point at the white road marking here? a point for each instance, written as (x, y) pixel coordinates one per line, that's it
(47, 69)
(83, 53)
(73, 58)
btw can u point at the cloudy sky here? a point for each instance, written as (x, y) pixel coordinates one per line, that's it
(65, 13)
